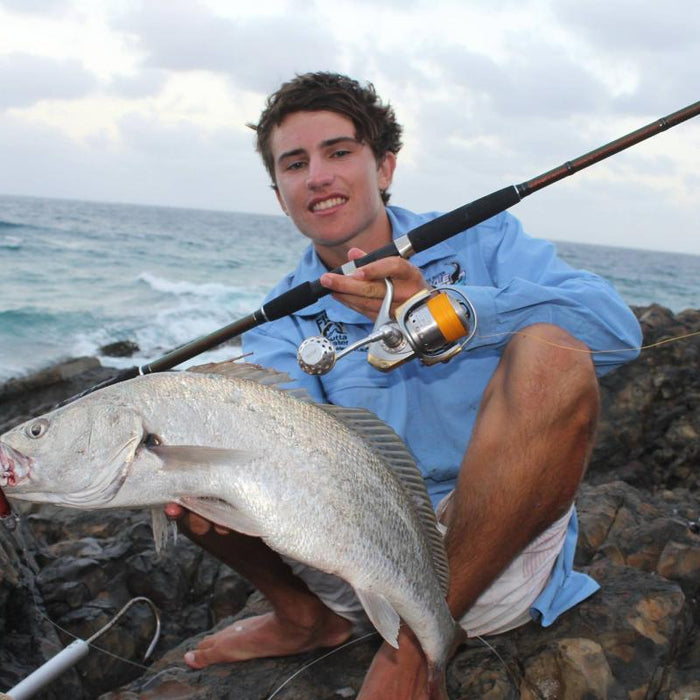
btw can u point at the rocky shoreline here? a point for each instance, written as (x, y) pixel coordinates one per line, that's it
(640, 538)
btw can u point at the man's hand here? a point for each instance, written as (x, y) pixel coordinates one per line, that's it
(191, 522)
(364, 290)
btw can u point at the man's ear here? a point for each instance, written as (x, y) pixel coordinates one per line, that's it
(385, 170)
(283, 206)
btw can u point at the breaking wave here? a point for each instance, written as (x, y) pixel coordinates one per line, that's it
(186, 288)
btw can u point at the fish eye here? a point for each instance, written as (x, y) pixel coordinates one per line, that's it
(37, 428)
(152, 440)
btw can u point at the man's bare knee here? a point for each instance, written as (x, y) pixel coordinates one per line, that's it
(548, 367)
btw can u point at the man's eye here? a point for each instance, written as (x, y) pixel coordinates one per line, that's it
(295, 165)
(340, 153)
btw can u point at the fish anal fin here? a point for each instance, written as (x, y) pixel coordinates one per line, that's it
(381, 614)
(224, 514)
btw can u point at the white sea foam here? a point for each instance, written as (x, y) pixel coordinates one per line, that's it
(186, 288)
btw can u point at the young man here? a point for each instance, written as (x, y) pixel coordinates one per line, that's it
(501, 433)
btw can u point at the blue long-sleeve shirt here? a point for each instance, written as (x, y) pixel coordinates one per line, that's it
(512, 281)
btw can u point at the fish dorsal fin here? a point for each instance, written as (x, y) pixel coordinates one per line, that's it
(383, 440)
(243, 370)
(254, 373)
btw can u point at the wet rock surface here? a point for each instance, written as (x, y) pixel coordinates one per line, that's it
(640, 538)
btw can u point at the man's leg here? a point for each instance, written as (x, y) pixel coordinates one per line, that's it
(299, 621)
(531, 442)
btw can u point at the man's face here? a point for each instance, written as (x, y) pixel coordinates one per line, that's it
(329, 183)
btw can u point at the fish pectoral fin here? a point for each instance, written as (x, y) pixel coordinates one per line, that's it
(224, 514)
(185, 456)
(381, 614)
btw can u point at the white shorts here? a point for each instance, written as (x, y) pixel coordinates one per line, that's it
(503, 606)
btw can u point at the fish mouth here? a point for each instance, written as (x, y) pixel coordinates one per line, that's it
(14, 466)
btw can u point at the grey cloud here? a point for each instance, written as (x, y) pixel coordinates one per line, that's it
(27, 79)
(625, 25)
(659, 42)
(210, 170)
(535, 81)
(253, 52)
(179, 141)
(666, 82)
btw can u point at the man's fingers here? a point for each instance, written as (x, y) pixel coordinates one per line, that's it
(196, 524)
(354, 286)
(356, 254)
(394, 267)
(365, 289)
(174, 511)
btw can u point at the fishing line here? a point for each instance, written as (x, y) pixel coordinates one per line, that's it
(39, 603)
(588, 351)
(510, 674)
(76, 651)
(90, 644)
(321, 658)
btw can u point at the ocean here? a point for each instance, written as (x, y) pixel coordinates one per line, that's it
(76, 276)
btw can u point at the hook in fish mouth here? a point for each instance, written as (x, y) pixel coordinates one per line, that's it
(14, 466)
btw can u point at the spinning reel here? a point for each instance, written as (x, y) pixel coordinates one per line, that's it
(433, 325)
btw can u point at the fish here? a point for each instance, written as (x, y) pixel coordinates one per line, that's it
(332, 487)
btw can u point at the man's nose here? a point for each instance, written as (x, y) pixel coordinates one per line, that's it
(320, 174)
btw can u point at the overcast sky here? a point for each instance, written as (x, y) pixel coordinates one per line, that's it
(147, 101)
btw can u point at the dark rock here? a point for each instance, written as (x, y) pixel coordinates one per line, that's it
(27, 638)
(122, 348)
(650, 427)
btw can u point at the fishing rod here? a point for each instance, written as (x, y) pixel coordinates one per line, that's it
(417, 240)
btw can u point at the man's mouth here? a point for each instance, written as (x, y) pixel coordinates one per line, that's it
(328, 203)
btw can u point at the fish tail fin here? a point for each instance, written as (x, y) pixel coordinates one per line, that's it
(437, 683)
(437, 686)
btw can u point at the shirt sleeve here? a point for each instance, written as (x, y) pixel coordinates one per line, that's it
(530, 284)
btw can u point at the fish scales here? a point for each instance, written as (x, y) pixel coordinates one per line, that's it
(318, 484)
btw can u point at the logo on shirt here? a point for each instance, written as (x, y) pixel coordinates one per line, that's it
(333, 330)
(454, 275)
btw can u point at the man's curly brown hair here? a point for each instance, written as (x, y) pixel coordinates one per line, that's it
(375, 123)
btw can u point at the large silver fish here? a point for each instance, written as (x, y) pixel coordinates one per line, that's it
(331, 487)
